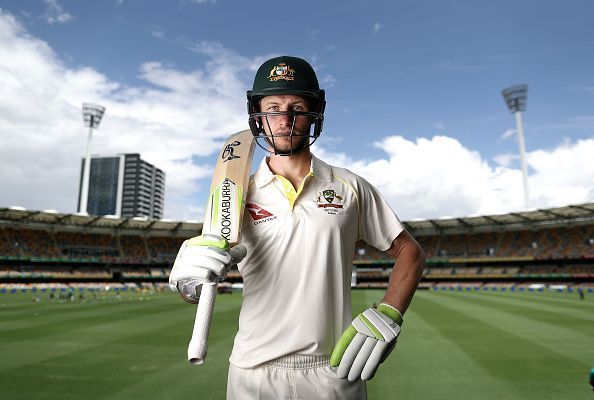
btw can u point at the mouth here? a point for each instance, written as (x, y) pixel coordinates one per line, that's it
(285, 134)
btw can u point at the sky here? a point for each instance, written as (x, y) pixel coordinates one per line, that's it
(413, 91)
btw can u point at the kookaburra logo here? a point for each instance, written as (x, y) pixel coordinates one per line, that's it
(226, 209)
(228, 151)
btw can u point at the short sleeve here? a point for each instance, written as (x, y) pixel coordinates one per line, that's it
(378, 223)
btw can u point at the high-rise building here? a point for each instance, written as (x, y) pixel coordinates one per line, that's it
(125, 186)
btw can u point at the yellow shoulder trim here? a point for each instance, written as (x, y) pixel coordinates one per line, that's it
(350, 187)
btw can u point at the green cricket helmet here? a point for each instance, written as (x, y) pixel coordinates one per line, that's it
(291, 76)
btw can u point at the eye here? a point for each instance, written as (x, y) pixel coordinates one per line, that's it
(273, 108)
(298, 107)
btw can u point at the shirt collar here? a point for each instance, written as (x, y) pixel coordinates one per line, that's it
(320, 169)
(263, 175)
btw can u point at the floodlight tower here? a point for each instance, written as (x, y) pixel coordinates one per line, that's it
(515, 98)
(92, 114)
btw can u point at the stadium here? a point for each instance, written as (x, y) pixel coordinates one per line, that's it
(416, 99)
(508, 306)
(533, 250)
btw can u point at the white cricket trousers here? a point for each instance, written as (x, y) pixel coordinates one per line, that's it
(293, 377)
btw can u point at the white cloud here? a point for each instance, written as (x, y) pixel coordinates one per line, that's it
(430, 178)
(563, 175)
(506, 159)
(328, 81)
(176, 116)
(55, 14)
(313, 33)
(158, 33)
(508, 134)
(173, 118)
(439, 125)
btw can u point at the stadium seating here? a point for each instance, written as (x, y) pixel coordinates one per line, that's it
(78, 244)
(163, 249)
(32, 243)
(134, 247)
(34, 253)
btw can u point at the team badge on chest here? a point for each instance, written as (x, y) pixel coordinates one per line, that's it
(329, 201)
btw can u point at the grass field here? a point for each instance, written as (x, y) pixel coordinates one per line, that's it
(455, 345)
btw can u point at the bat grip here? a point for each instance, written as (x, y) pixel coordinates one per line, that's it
(199, 342)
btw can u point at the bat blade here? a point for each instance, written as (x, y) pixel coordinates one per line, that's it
(223, 216)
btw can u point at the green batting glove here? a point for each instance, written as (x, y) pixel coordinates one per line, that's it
(366, 343)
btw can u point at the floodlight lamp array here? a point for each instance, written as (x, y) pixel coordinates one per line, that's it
(92, 114)
(515, 97)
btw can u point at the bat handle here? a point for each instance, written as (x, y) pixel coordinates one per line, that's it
(199, 342)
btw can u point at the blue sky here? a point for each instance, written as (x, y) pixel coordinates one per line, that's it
(413, 70)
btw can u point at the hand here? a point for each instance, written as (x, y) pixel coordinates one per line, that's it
(203, 259)
(366, 343)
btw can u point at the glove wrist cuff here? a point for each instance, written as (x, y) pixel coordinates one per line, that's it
(209, 240)
(391, 312)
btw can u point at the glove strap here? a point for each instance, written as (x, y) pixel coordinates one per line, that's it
(391, 312)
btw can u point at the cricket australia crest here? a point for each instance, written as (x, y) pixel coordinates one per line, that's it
(329, 201)
(281, 71)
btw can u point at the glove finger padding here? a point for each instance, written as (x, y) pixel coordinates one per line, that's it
(388, 350)
(362, 359)
(349, 355)
(366, 343)
(209, 257)
(197, 261)
(377, 356)
(204, 259)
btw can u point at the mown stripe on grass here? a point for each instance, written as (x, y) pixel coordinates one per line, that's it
(554, 299)
(40, 327)
(36, 315)
(565, 316)
(429, 365)
(556, 332)
(31, 345)
(109, 301)
(139, 358)
(513, 356)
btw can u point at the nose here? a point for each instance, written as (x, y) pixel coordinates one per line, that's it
(282, 120)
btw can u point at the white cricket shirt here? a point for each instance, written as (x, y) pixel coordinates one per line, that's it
(297, 272)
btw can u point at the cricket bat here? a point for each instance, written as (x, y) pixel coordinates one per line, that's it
(223, 216)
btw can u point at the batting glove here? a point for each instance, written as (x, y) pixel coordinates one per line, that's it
(203, 259)
(366, 343)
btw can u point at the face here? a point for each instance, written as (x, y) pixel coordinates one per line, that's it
(281, 125)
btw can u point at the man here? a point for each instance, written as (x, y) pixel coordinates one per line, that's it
(304, 218)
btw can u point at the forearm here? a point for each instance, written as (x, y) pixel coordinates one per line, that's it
(405, 276)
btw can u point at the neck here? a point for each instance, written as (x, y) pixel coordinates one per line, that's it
(294, 167)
